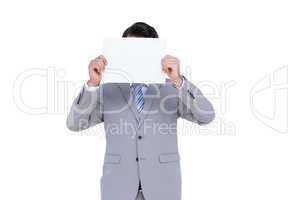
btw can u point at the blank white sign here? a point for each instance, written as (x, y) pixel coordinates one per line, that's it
(134, 60)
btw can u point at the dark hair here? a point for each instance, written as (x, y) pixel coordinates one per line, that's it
(140, 29)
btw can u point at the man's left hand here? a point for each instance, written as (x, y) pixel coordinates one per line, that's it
(171, 66)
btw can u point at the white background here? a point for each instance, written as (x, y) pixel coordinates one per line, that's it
(248, 152)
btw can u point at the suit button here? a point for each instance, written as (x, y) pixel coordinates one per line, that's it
(137, 159)
(140, 137)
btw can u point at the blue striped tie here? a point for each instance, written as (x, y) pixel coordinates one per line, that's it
(138, 96)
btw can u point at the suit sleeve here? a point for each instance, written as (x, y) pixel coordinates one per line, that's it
(192, 104)
(86, 110)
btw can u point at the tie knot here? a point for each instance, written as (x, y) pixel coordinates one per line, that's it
(138, 86)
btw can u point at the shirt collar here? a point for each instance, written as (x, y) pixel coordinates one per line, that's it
(145, 84)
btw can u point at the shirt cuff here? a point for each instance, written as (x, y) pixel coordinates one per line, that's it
(183, 81)
(90, 88)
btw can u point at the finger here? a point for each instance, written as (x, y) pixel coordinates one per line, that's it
(167, 69)
(96, 67)
(99, 61)
(102, 68)
(164, 67)
(171, 63)
(102, 65)
(104, 59)
(172, 59)
(100, 56)
(163, 62)
(168, 56)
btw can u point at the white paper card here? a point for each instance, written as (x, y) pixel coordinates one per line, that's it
(134, 60)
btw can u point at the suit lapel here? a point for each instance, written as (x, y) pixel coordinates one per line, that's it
(128, 97)
(153, 92)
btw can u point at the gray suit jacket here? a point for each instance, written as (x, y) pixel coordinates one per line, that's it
(140, 146)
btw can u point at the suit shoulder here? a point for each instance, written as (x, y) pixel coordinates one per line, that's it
(169, 88)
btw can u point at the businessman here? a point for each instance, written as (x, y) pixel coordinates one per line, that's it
(141, 161)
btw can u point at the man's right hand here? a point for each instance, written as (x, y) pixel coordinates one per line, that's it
(96, 68)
